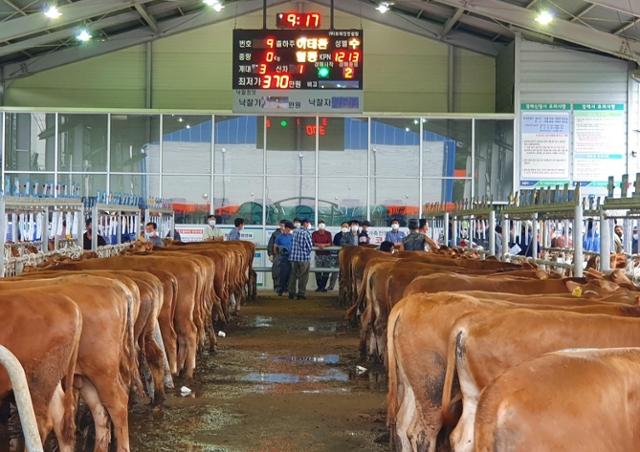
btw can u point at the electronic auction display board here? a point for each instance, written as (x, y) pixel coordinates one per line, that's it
(298, 71)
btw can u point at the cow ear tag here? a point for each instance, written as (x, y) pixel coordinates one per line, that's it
(577, 291)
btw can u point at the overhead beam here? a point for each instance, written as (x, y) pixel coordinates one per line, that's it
(416, 26)
(12, 5)
(453, 20)
(71, 13)
(562, 29)
(148, 18)
(624, 28)
(582, 13)
(132, 38)
(66, 33)
(631, 7)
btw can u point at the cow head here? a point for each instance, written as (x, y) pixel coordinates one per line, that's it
(600, 286)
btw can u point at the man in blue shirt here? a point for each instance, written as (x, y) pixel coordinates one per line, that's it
(235, 232)
(395, 235)
(282, 251)
(300, 258)
(591, 240)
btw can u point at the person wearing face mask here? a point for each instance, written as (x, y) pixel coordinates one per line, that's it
(271, 252)
(151, 235)
(363, 234)
(395, 235)
(354, 228)
(211, 232)
(296, 223)
(235, 232)
(343, 238)
(322, 239)
(424, 230)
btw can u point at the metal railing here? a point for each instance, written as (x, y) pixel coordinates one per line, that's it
(23, 399)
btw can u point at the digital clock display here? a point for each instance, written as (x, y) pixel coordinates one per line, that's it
(297, 60)
(298, 20)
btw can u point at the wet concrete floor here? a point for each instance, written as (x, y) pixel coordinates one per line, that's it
(283, 379)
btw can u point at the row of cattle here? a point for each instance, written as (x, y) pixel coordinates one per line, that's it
(99, 328)
(493, 356)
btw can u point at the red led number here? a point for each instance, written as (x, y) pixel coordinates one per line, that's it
(313, 20)
(342, 56)
(275, 81)
(348, 73)
(292, 19)
(269, 57)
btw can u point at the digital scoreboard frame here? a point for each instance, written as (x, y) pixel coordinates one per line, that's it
(298, 71)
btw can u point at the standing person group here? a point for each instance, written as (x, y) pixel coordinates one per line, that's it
(290, 248)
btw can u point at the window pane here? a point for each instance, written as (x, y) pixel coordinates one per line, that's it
(446, 148)
(30, 141)
(87, 184)
(395, 147)
(186, 144)
(342, 199)
(494, 159)
(394, 198)
(291, 144)
(343, 146)
(290, 197)
(189, 196)
(1, 135)
(82, 142)
(135, 143)
(239, 145)
(28, 184)
(235, 197)
(136, 184)
(445, 190)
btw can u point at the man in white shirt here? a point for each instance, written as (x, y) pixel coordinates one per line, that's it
(211, 232)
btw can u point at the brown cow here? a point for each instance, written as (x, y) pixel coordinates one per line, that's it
(484, 345)
(582, 399)
(418, 335)
(43, 331)
(106, 355)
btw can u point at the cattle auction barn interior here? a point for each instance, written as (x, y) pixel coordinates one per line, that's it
(319, 225)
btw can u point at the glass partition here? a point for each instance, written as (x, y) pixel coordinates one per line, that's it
(494, 159)
(334, 168)
(239, 145)
(82, 142)
(290, 197)
(142, 185)
(394, 199)
(343, 146)
(395, 146)
(30, 142)
(186, 144)
(237, 197)
(342, 199)
(135, 143)
(291, 146)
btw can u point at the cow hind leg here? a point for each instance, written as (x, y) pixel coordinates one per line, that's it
(90, 396)
(115, 399)
(154, 359)
(56, 415)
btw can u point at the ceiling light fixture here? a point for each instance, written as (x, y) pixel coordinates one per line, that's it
(84, 35)
(215, 4)
(383, 7)
(544, 17)
(52, 12)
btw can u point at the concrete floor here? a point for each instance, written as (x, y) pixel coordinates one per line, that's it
(284, 379)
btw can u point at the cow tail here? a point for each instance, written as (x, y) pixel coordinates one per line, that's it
(130, 356)
(69, 420)
(392, 363)
(447, 387)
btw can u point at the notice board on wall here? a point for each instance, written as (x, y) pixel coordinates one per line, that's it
(579, 143)
(599, 143)
(545, 143)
